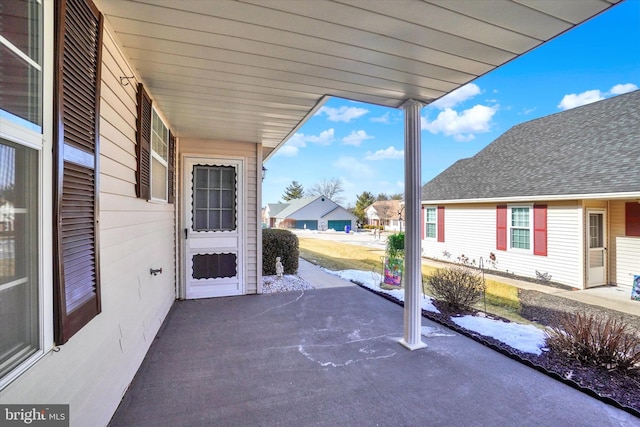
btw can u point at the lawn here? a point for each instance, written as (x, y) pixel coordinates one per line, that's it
(501, 298)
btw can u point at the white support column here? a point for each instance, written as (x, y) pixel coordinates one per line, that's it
(412, 190)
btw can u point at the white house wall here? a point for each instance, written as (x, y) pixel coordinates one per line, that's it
(623, 251)
(250, 153)
(470, 230)
(93, 369)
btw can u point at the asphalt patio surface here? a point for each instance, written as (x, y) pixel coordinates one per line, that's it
(331, 357)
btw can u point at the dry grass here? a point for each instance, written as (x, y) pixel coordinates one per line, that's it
(501, 299)
(600, 340)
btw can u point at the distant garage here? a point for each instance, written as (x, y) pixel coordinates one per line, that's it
(339, 224)
(306, 224)
(310, 213)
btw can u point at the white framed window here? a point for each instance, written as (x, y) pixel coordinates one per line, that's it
(159, 158)
(431, 225)
(26, 306)
(520, 225)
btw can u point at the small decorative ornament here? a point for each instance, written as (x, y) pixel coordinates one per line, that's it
(279, 267)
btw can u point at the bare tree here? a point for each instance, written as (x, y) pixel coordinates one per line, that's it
(330, 188)
(385, 211)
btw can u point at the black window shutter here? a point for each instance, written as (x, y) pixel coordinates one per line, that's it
(77, 101)
(171, 170)
(143, 145)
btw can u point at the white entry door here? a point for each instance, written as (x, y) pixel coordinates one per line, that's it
(213, 227)
(597, 248)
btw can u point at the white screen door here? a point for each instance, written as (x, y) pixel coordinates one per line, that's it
(214, 260)
(597, 250)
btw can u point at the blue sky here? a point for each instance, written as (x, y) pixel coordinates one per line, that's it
(363, 144)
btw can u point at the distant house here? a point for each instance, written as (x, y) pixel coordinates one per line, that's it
(386, 213)
(270, 212)
(557, 197)
(311, 213)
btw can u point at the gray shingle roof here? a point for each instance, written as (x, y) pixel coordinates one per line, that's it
(295, 205)
(276, 208)
(591, 149)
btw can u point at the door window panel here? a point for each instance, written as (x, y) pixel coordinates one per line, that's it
(19, 324)
(214, 204)
(595, 231)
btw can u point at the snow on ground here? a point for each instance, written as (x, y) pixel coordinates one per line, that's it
(371, 280)
(526, 338)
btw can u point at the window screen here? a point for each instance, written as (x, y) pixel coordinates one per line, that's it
(214, 198)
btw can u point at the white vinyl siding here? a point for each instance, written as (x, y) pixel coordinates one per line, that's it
(471, 231)
(93, 370)
(627, 263)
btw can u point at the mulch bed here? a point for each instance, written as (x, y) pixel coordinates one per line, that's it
(618, 389)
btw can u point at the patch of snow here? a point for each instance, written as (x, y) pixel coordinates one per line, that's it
(526, 338)
(371, 280)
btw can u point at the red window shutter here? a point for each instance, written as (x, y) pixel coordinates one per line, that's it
(422, 222)
(143, 145)
(440, 223)
(501, 228)
(540, 230)
(77, 100)
(632, 219)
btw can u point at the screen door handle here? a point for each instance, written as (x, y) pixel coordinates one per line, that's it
(186, 233)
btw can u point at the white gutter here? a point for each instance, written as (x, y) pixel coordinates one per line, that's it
(554, 197)
(301, 123)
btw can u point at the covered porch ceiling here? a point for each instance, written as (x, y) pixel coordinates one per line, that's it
(254, 70)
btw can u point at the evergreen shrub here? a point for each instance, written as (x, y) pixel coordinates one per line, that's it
(279, 243)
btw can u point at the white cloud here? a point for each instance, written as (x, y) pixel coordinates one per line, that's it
(459, 95)
(462, 126)
(292, 147)
(386, 154)
(343, 114)
(326, 137)
(623, 88)
(573, 100)
(356, 137)
(354, 167)
(384, 119)
(300, 140)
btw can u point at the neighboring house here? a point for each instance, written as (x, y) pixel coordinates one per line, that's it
(313, 213)
(386, 213)
(556, 197)
(132, 139)
(271, 211)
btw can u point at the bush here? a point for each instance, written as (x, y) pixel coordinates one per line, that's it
(457, 287)
(595, 339)
(395, 245)
(279, 243)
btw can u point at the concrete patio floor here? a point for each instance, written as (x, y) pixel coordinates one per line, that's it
(330, 357)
